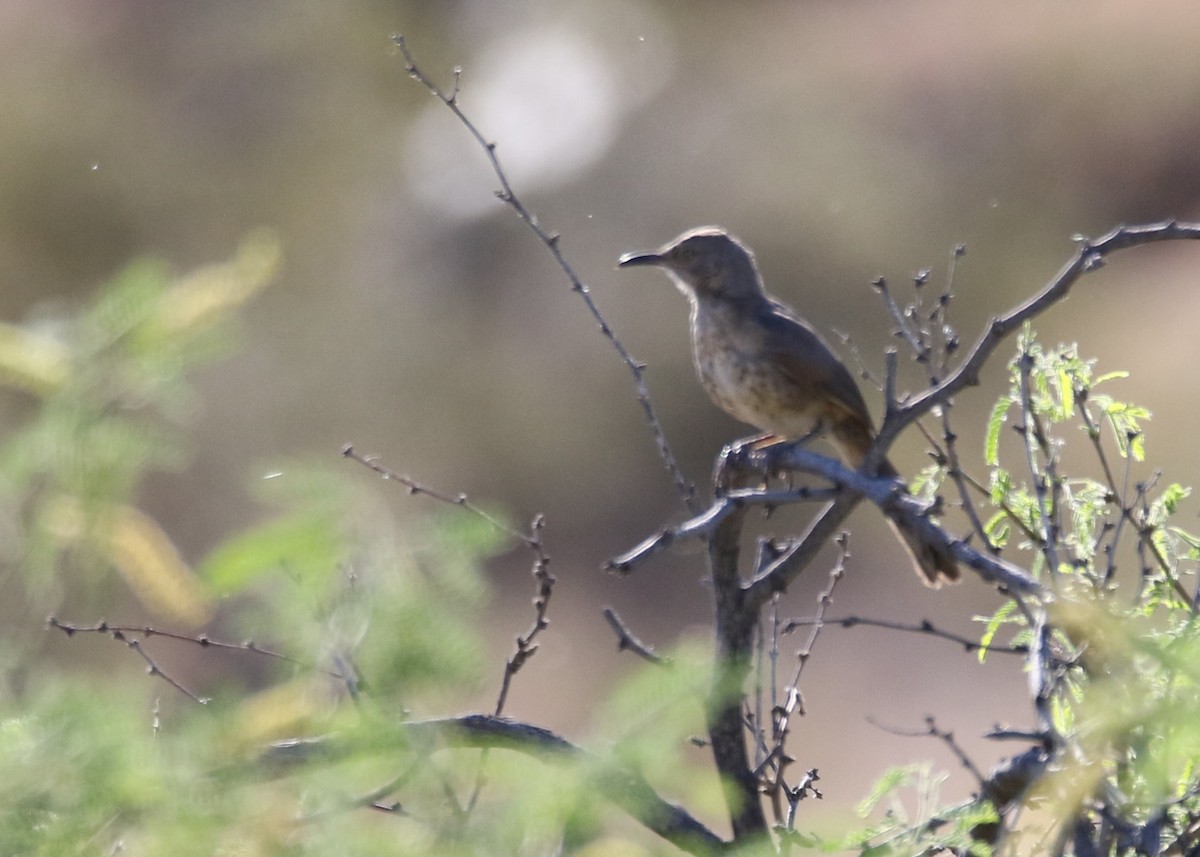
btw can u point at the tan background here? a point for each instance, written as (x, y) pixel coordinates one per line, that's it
(418, 319)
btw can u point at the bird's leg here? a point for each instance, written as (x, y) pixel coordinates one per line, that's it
(776, 442)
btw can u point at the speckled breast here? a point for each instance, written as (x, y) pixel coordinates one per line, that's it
(744, 381)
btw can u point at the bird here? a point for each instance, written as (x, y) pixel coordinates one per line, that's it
(764, 365)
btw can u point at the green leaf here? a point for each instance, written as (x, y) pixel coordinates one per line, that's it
(304, 544)
(995, 423)
(1001, 485)
(1002, 616)
(1110, 376)
(1172, 495)
(892, 779)
(1066, 392)
(1186, 537)
(997, 529)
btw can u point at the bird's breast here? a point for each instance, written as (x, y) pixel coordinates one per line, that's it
(744, 380)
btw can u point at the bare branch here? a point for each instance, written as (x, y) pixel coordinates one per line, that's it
(954, 470)
(923, 627)
(1088, 257)
(201, 640)
(507, 195)
(777, 761)
(703, 524)
(525, 646)
(122, 635)
(903, 327)
(627, 641)
(931, 730)
(623, 787)
(881, 491)
(531, 539)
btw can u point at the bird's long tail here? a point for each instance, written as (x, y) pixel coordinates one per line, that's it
(934, 563)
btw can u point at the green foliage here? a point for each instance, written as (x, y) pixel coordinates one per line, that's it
(108, 402)
(1117, 700)
(911, 796)
(358, 624)
(1052, 390)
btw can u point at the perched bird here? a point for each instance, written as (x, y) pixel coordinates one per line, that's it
(763, 364)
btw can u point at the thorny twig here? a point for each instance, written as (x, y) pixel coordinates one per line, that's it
(202, 640)
(923, 627)
(124, 634)
(627, 641)
(777, 760)
(508, 196)
(931, 730)
(525, 646)
(532, 539)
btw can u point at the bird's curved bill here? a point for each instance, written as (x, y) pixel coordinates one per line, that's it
(630, 260)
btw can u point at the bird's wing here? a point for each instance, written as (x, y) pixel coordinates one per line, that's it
(810, 362)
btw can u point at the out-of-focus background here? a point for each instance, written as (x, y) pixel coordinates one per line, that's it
(417, 318)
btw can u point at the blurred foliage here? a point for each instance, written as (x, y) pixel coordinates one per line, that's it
(365, 624)
(109, 402)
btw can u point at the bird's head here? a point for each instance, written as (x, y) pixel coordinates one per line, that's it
(704, 262)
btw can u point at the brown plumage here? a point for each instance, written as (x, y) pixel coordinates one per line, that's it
(763, 364)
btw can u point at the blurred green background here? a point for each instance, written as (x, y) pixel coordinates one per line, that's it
(418, 319)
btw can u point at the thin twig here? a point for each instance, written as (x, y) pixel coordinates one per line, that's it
(525, 646)
(903, 328)
(124, 636)
(627, 641)
(507, 195)
(1035, 440)
(954, 470)
(1089, 256)
(201, 640)
(931, 730)
(530, 540)
(923, 627)
(775, 783)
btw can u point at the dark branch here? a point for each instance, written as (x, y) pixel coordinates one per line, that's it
(623, 787)
(703, 524)
(1089, 256)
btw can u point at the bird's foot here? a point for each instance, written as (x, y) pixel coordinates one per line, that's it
(737, 466)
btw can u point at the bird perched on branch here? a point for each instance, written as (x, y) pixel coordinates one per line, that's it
(763, 364)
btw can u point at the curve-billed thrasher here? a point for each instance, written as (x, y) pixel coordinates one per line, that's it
(764, 365)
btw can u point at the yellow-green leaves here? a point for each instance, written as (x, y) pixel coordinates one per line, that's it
(110, 401)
